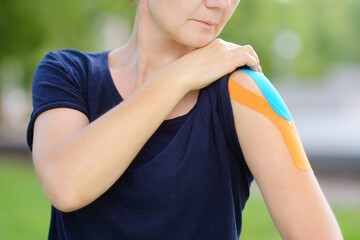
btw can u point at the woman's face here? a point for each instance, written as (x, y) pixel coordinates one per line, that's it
(193, 23)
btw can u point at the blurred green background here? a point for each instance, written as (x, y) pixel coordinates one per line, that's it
(323, 32)
(309, 49)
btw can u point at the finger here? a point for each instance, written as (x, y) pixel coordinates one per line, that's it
(251, 51)
(248, 48)
(252, 63)
(249, 60)
(254, 68)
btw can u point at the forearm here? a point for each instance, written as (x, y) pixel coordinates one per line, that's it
(86, 164)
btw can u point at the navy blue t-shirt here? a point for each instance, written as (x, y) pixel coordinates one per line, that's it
(189, 181)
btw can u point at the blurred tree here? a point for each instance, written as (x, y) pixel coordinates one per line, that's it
(329, 30)
(29, 30)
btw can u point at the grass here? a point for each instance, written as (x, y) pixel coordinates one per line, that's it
(24, 209)
(257, 223)
(25, 212)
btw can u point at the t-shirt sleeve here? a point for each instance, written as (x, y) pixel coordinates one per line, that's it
(56, 84)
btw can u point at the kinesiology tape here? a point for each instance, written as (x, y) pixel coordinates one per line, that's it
(273, 108)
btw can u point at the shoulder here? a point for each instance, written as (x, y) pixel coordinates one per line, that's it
(245, 80)
(65, 67)
(72, 56)
(70, 62)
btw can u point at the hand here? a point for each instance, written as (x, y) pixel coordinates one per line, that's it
(205, 65)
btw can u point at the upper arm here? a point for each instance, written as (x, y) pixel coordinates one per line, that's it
(261, 141)
(60, 108)
(58, 83)
(51, 127)
(284, 176)
(256, 103)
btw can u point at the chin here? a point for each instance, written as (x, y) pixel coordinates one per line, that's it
(196, 40)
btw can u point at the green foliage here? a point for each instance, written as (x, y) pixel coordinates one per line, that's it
(329, 30)
(30, 29)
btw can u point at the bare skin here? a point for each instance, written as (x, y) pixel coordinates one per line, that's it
(166, 61)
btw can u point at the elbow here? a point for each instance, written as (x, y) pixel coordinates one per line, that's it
(60, 189)
(64, 200)
(65, 204)
(63, 195)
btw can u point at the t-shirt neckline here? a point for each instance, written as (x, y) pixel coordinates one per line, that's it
(115, 93)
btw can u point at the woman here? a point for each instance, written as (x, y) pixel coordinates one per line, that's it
(143, 142)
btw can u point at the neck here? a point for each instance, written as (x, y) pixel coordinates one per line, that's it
(148, 50)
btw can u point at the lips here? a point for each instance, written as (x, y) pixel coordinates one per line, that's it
(209, 23)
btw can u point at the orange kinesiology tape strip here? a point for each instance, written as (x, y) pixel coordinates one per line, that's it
(287, 128)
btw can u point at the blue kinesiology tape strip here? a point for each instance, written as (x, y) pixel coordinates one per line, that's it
(270, 93)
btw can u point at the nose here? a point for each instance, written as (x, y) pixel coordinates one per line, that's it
(222, 4)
